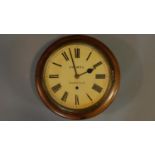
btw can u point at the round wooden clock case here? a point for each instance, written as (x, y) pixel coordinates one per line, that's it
(77, 77)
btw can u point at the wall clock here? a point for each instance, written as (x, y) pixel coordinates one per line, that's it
(77, 77)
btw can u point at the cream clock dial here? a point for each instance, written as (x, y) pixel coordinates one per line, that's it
(78, 87)
(76, 77)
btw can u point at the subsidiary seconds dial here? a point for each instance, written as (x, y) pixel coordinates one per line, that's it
(76, 77)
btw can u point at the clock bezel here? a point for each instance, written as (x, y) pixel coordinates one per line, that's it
(88, 112)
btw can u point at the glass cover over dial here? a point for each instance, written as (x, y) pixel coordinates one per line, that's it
(76, 76)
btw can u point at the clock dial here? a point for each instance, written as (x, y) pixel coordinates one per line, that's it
(76, 76)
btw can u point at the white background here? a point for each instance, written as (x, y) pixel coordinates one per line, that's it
(80, 16)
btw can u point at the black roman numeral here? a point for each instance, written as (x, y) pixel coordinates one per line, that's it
(56, 88)
(54, 76)
(97, 88)
(97, 64)
(89, 97)
(76, 100)
(57, 64)
(89, 56)
(100, 76)
(65, 56)
(77, 52)
(64, 97)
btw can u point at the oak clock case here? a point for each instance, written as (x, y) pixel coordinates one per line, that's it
(77, 77)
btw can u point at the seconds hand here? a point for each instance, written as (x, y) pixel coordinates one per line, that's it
(76, 74)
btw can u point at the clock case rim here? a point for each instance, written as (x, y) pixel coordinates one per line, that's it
(83, 113)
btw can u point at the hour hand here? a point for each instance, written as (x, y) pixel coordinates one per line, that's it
(89, 71)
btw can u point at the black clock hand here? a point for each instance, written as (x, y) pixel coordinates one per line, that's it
(76, 74)
(89, 71)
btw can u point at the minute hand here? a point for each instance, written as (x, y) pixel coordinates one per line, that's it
(76, 74)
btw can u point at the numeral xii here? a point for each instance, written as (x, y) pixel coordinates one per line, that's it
(77, 52)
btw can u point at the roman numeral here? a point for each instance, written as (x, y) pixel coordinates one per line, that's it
(97, 88)
(76, 100)
(100, 76)
(65, 56)
(89, 97)
(57, 64)
(97, 64)
(77, 52)
(56, 88)
(89, 56)
(54, 76)
(64, 97)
